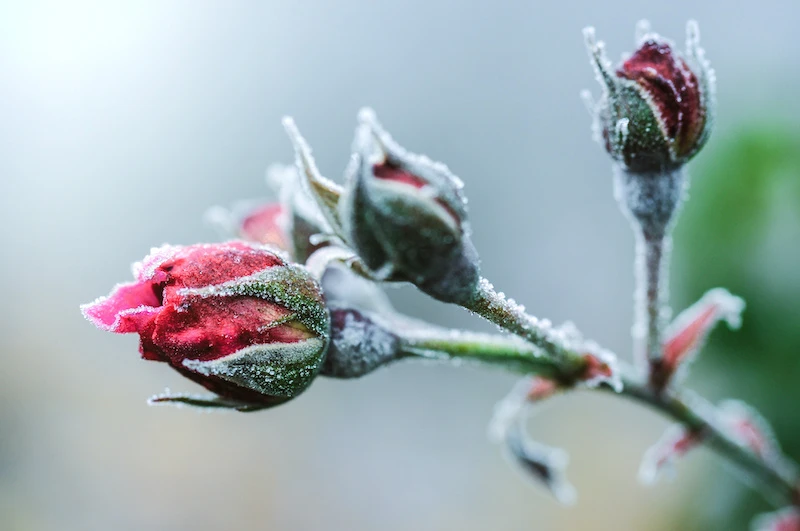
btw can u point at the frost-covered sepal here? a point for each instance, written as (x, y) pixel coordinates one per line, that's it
(787, 519)
(688, 332)
(325, 192)
(361, 342)
(233, 317)
(405, 216)
(655, 110)
(206, 401)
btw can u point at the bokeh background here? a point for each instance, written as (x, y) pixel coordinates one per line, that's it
(123, 122)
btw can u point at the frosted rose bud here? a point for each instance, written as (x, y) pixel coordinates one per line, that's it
(233, 317)
(655, 110)
(405, 216)
(290, 224)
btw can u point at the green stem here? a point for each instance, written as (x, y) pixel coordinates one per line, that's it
(511, 317)
(695, 414)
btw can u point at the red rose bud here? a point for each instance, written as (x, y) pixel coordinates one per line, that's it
(405, 217)
(661, 457)
(655, 111)
(289, 225)
(233, 317)
(258, 223)
(687, 333)
(787, 519)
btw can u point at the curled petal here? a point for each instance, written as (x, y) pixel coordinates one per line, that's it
(127, 309)
(661, 457)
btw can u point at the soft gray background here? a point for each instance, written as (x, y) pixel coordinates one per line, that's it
(123, 122)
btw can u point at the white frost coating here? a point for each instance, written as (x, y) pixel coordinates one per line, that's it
(707, 75)
(728, 308)
(313, 178)
(305, 161)
(145, 269)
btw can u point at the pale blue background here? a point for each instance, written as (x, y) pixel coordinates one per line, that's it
(121, 124)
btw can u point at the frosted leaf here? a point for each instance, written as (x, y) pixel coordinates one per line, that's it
(325, 192)
(543, 464)
(688, 332)
(659, 460)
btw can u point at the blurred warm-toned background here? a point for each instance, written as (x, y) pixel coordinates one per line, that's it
(123, 122)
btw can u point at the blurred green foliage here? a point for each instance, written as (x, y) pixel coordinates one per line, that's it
(741, 230)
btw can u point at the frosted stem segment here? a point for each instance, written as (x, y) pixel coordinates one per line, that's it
(650, 201)
(511, 317)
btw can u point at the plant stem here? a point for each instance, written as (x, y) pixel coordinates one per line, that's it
(689, 410)
(511, 317)
(652, 266)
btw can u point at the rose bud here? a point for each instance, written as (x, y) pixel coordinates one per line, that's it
(787, 519)
(687, 333)
(405, 216)
(655, 110)
(263, 223)
(289, 225)
(233, 317)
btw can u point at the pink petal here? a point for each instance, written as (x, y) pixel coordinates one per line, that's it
(125, 310)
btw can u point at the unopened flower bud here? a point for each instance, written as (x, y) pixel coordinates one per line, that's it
(290, 224)
(405, 216)
(233, 317)
(655, 110)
